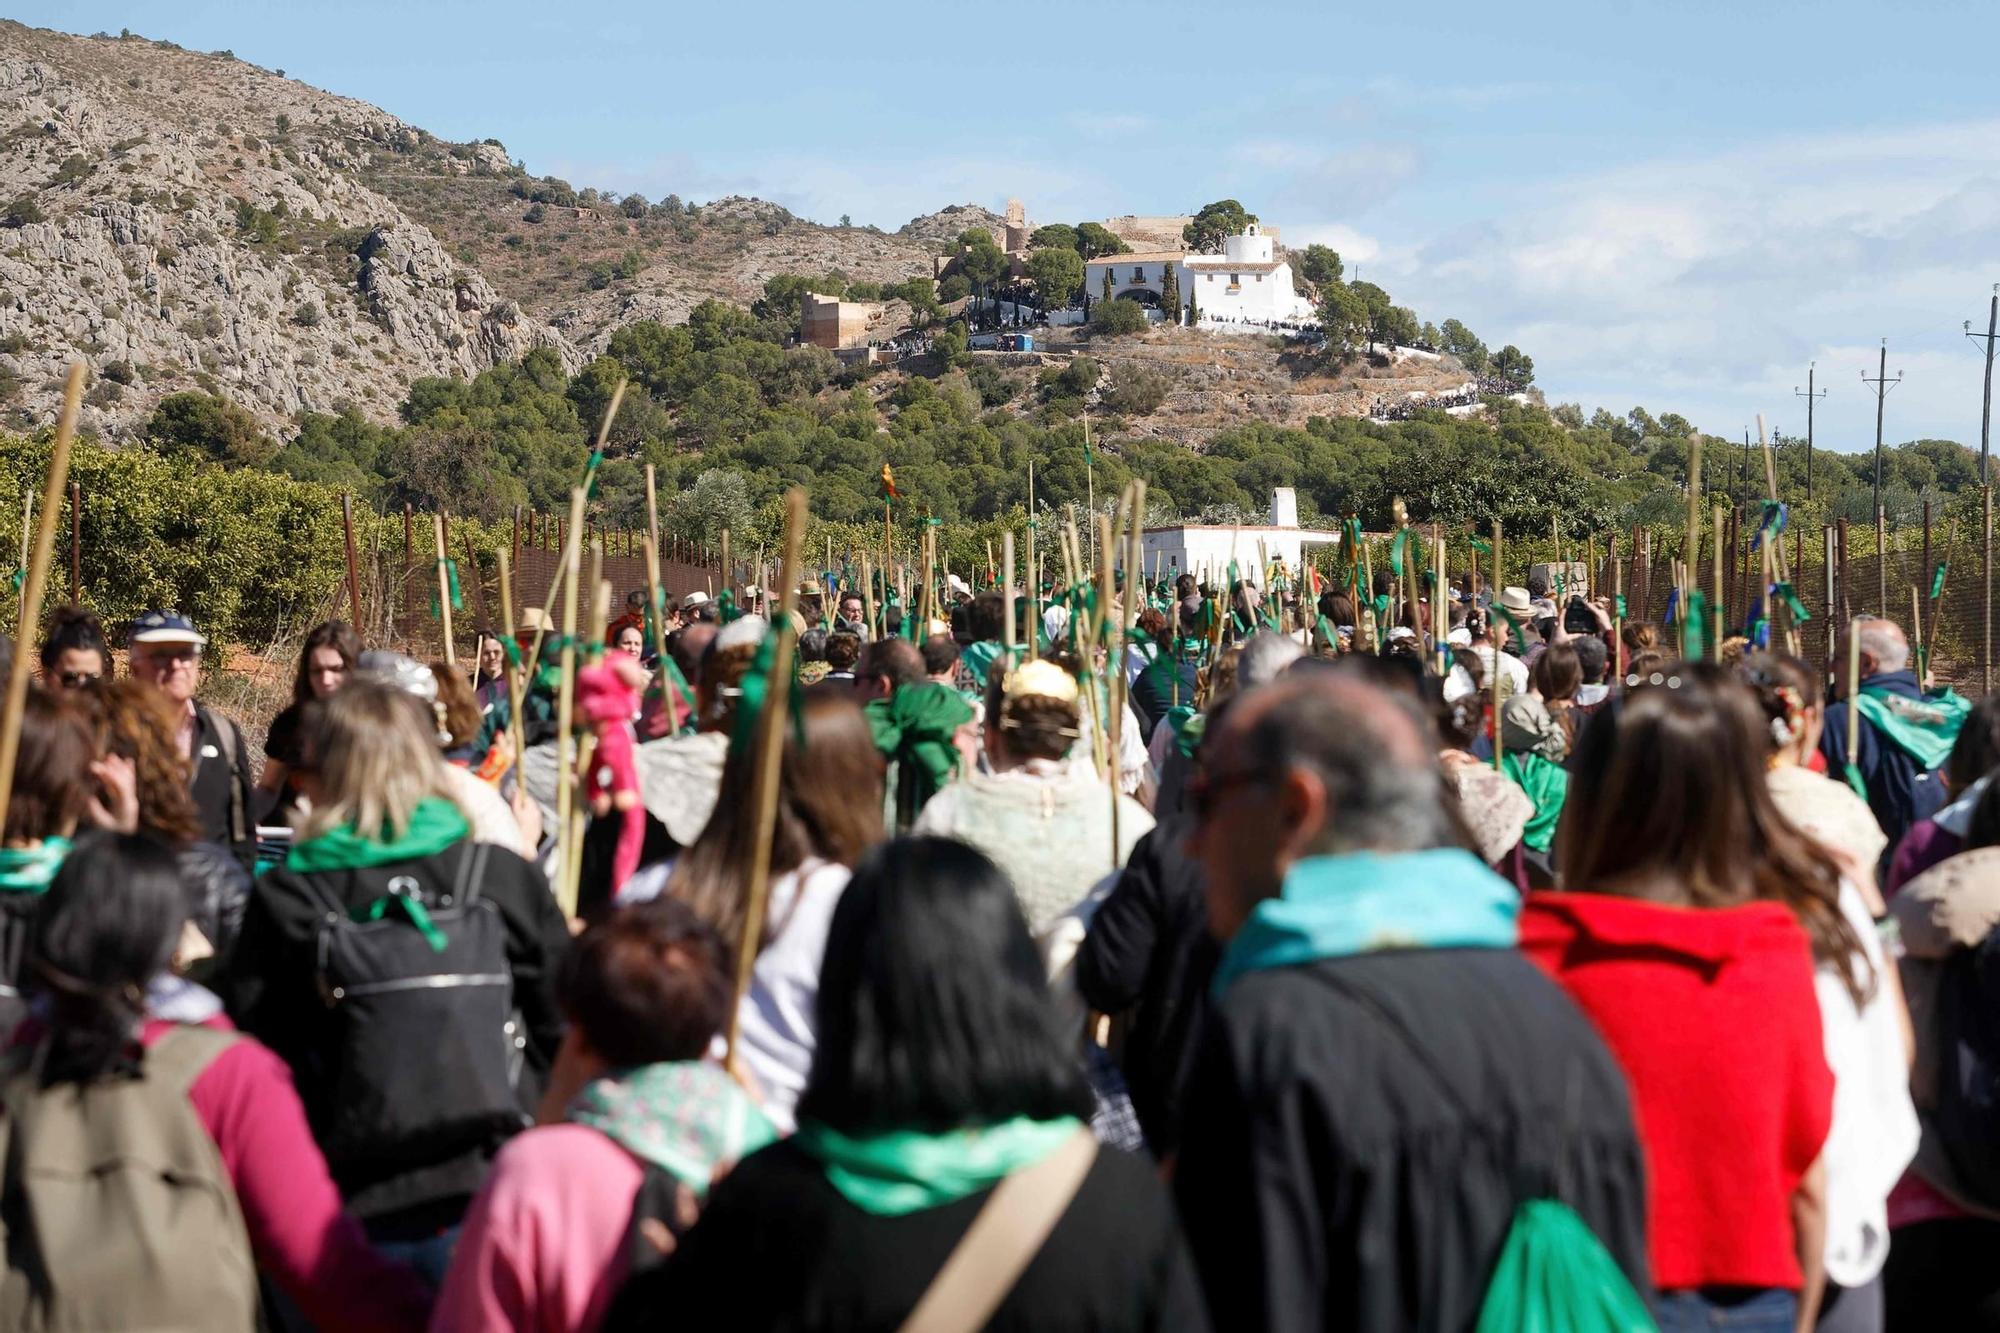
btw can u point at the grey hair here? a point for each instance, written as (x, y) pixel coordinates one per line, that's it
(1265, 656)
(1378, 802)
(1884, 641)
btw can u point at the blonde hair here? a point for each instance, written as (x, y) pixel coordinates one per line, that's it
(377, 758)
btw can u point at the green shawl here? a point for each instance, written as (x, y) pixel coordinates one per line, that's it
(1923, 729)
(1547, 785)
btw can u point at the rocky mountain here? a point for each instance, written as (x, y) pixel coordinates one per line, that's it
(186, 220)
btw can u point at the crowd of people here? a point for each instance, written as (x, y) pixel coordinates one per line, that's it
(1247, 964)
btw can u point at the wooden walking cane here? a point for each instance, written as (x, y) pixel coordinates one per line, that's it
(573, 534)
(1715, 610)
(657, 603)
(586, 746)
(566, 696)
(34, 581)
(1778, 559)
(769, 767)
(1007, 594)
(353, 568)
(444, 588)
(1493, 632)
(1113, 719)
(514, 731)
(1617, 607)
(1691, 538)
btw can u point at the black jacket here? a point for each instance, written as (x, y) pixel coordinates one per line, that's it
(1149, 952)
(221, 785)
(1360, 1130)
(777, 1247)
(271, 990)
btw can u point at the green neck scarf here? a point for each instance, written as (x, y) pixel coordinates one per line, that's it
(684, 1116)
(1923, 729)
(904, 1171)
(434, 825)
(30, 869)
(1362, 902)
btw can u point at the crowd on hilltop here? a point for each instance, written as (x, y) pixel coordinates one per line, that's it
(1191, 957)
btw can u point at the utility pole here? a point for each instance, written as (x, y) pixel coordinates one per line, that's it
(1882, 384)
(1986, 405)
(1811, 398)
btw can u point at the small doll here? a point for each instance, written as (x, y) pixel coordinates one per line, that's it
(606, 696)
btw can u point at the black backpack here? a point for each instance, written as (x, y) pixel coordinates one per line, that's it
(1966, 1117)
(428, 1045)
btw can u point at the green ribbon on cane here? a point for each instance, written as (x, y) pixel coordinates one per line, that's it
(450, 568)
(1937, 580)
(1513, 626)
(1618, 605)
(1694, 625)
(756, 689)
(1789, 595)
(1396, 549)
(590, 474)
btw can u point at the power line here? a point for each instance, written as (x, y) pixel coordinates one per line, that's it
(1811, 398)
(1882, 384)
(1986, 405)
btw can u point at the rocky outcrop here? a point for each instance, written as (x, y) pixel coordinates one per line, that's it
(174, 246)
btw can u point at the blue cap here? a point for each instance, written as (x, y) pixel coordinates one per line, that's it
(166, 627)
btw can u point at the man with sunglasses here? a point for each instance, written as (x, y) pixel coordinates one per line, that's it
(1384, 1078)
(166, 653)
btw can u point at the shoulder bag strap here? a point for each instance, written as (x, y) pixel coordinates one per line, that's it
(471, 873)
(1008, 1233)
(228, 741)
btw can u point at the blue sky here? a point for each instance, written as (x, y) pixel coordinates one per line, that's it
(1677, 205)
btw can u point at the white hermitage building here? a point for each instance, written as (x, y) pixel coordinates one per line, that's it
(1246, 282)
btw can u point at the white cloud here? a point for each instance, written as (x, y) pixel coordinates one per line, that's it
(1705, 285)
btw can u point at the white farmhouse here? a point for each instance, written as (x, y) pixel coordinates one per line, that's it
(1246, 283)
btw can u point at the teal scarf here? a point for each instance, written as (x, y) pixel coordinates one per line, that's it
(684, 1116)
(904, 1171)
(1923, 729)
(978, 658)
(434, 825)
(1361, 902)
(30, 869)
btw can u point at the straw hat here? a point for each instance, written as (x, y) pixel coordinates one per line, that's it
(1516, 600)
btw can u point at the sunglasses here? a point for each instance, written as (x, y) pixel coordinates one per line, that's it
(76, 680)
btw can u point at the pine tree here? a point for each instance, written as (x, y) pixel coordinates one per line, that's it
(1170, 293)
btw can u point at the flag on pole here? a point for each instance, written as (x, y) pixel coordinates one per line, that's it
(888, 490)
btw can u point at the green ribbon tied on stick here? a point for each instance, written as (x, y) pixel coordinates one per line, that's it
(1789, 595)
(1694, 626)
(1506, 617)
(450, 568)
(1396, 549)
(1618, 605)
(590, 473)
(1937, 580)
(755, 692)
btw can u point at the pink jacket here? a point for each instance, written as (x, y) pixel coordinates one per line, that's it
(304, 1240)
(542, 1246)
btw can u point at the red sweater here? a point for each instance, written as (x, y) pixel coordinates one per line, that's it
(1713, 1015)
(303, 1239)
